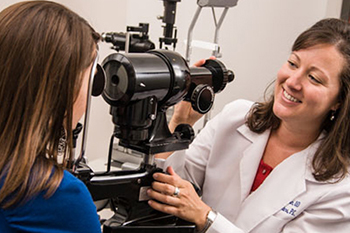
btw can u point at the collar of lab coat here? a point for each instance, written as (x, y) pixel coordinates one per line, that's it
(285, 182)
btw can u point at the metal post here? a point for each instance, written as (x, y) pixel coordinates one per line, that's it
(217, 28)
(190, 32)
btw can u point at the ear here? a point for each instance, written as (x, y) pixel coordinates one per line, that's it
(335, 107)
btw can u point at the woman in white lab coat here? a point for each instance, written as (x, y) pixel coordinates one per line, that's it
(278, 166)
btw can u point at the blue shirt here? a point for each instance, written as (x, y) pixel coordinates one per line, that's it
(69, 209)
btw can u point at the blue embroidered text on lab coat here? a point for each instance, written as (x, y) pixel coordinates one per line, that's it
(291, 208)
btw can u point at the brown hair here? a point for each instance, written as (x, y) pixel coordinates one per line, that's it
(333, 156)
(44, 47)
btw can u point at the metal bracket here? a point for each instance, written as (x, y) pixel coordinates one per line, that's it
(213, 4)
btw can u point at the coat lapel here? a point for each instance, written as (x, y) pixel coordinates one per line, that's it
(251, 158)
(285, 182)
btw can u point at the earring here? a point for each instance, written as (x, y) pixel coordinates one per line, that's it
(62, 143)
(332, 116)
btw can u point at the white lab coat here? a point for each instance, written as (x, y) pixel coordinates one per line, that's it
(223, 161)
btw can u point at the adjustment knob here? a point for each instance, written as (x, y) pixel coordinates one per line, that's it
(185, 131)
(202, 98)
(230, 75)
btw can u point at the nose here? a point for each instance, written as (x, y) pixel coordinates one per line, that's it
(294, 81)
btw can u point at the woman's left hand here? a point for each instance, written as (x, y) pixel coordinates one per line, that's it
(185, 204)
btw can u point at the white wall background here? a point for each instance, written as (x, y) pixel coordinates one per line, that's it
(255, 40)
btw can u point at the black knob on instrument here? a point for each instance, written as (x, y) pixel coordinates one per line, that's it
(202, 98)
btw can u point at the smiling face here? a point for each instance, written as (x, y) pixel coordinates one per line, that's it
(308, 86)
